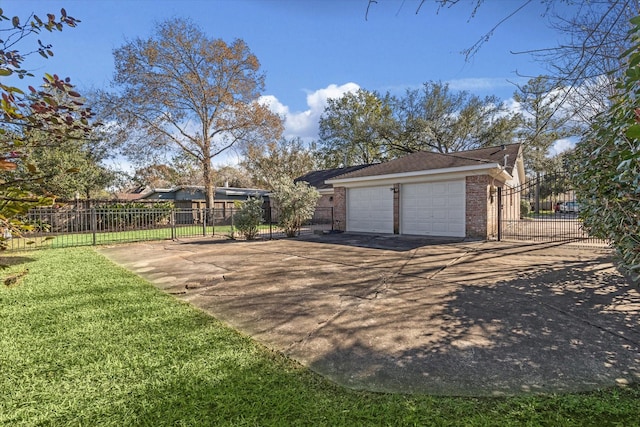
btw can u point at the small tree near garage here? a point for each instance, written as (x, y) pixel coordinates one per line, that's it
(296, 203)
(249, 217)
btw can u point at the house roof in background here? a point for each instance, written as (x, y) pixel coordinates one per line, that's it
(226, 191)
(504, 155)
(317, 178)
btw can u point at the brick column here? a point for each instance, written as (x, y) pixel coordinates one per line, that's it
(340, 208)
(478, 207)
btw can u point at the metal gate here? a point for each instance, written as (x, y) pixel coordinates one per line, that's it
(543, 209)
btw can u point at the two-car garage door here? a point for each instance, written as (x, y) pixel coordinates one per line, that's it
(428, 209)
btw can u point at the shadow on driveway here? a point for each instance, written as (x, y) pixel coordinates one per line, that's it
(416, 315)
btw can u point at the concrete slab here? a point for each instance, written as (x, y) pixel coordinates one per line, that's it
(414, 315)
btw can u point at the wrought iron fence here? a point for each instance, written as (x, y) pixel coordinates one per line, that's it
(543, 209)
(69, 225)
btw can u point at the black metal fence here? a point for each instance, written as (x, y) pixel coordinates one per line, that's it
(543, 209)
(75, 225)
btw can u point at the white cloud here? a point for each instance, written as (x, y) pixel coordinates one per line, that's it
(304, 124)
(479, 84)
(274, 105)
(562, 145)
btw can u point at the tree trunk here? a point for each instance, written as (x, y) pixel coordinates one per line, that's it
(208, 184)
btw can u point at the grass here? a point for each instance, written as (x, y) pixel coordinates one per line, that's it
(84, 342)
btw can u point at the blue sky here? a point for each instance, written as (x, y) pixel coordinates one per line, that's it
(312, 49)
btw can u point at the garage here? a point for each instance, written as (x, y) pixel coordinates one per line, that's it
(370, 209)
(433, 208)
(432, 194)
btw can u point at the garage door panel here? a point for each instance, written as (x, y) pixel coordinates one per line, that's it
(433, 209)
(370, 209)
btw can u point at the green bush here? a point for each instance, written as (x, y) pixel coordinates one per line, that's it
(296, 204)
(606, 167)
(249, 217)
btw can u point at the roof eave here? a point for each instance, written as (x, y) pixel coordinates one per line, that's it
(429, 172)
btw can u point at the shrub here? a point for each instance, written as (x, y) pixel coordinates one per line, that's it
(606, 166)
(296, 204)
(249, 217)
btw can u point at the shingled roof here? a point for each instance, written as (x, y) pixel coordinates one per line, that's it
(504, 155)
(317, 178)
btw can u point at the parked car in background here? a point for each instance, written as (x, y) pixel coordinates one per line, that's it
(569, 207)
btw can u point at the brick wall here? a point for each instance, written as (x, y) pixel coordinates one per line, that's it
(339, 208)
(479, 207)
(324, 207)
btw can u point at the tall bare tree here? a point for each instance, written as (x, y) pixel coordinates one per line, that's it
(587, 59)
(180, 90)
(592, 36)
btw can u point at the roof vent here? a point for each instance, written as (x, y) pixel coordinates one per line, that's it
(506, 157)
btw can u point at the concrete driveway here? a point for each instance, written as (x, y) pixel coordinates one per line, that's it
(411, 315)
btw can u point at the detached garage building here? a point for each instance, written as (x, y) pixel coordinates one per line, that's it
(429, 194)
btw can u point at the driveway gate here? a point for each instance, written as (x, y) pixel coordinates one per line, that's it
(542, 209)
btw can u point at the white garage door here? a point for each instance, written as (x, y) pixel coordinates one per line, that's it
(433, 209)
(370, 209)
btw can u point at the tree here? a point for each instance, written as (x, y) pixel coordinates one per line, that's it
(296, 204)
(591, 37)
(156, 176)
(350, 129)
(586, 62)
(180, 90)
(248, 217)
(71, 168)
(606, 167)
(55, 110)
(232, 176)
(436, 119)
(284, 159)
(542, 123)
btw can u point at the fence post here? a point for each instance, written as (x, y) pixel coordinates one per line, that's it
(500, 214)
(205, 217)
(270, 224)
(232, 225)
(94, 225)
(331, 217)
(172, 219)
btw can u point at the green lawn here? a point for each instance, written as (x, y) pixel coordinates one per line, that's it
(84, 342)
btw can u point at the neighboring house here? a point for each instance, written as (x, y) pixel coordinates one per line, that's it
(193, 197)
(133, 194)
(318, 179)
(429, 194)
